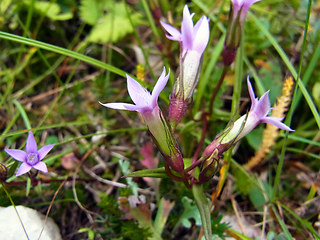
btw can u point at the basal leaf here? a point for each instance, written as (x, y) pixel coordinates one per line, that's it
(51, 10)
(190, 211)
(114, 25)
(90, 11)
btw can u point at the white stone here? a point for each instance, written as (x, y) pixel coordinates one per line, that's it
(11, 228)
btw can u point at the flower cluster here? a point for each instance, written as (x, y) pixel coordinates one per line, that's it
(193, 40)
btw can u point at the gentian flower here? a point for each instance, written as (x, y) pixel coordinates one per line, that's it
(147, 105)
(193, 41)
(144, 102)
(234, 32)
(258, 113)
(32, 157)
(191, 38)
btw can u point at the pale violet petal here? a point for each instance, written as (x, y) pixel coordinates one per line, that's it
(172, 38)
(31, 146)
(161, 83)
(263, 106)
(245, 8)
(120, 106)
(174, 33)
(236, 6)
(187, 29)
(139, 95)
(17, 154)
(24, 168)
(41, 166)
(44, 151)
(276, 122)
(247, 4)
(252, 95)
(201, 32)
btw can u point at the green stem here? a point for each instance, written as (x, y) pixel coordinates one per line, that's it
(204, 209)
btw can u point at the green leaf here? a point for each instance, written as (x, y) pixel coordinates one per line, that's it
(90, 232)
(114, 25)
(91, 10)
(4, 4)
(154, 173)
(51, 10)
(52, 140)
(255, 138)
(124, 165)
(190, 211)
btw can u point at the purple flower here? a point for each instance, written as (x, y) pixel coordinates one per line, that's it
(144, 101)
(32, 157)
(241, 6)
(147, 105)
(191, 37)
(258, 114)
(234, 32)
(193, 41)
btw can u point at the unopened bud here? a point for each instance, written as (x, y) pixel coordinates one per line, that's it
(3, 172)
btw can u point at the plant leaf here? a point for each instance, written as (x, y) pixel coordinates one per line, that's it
(113, 26)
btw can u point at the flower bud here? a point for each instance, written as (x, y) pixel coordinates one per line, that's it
(3, 172)
(238, 14)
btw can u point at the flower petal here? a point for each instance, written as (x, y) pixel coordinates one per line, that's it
(139, 95)
(262, 108)
(31, 146)
(247, 4)
(201, 32)
(161, 83)
(276, 122)
(252, 95)
(244, 8)
(120, 106)
(187, 29)
(175, 34)
(17, 154)
(44, 151)
(24, 168)
(41, 166)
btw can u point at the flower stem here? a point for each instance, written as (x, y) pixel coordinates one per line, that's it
(204, 209)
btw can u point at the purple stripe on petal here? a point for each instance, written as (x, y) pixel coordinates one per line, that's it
(17, 154)
(24, 168)
(41, 166)
(44, 151)
(31, 146)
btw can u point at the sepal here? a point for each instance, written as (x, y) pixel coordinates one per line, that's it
(153, 173)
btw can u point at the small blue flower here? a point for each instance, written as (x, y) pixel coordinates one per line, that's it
(32, 157)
